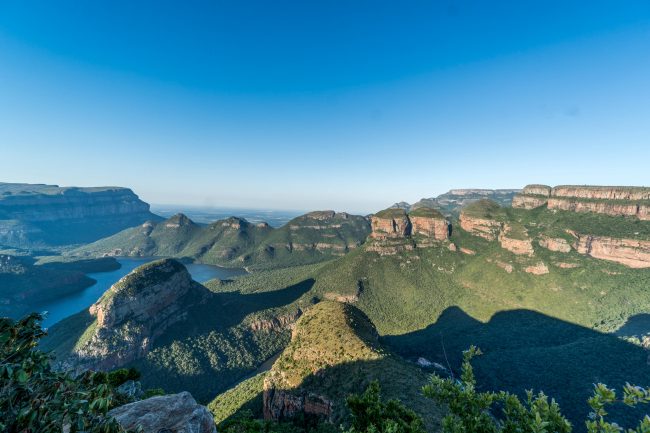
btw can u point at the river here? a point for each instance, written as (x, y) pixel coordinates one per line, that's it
(66, 306)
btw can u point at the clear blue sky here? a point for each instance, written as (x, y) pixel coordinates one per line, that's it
(350, 105)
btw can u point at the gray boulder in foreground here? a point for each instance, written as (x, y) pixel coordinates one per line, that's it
(174, 413)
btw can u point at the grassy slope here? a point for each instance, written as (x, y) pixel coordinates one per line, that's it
(334, 351)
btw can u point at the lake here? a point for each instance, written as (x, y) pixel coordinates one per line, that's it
(71, 304)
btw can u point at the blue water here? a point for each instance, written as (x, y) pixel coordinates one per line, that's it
(63, 307)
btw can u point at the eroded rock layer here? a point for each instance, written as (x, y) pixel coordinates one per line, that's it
(609, 200)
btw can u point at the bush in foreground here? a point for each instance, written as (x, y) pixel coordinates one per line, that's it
(35, 398)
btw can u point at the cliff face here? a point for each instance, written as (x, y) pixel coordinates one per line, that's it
(51, 215)
(609, 200)
(629, 252)
(392, 223)
(520, 245)
(135, 311)
(393, 230)
(485, 228)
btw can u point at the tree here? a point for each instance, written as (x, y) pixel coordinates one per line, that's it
(371, 415)
(36, 398)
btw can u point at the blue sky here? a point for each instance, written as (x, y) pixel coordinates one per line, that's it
(350, 105)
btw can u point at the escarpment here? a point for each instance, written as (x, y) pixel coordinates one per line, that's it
(395, 230)
(518, 230)
(609, 200)
(49, 215)
(134, 312)
(629, 252)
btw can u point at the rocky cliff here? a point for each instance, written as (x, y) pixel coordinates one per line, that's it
(482, 218)
(394, 230)
(629, 252)
(609, 200)
(135, 311)
(33, 215)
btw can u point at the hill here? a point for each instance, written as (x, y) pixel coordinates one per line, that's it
(309, 238)
(334, 351)
(36, 215)
(27, 282)
(451, 202)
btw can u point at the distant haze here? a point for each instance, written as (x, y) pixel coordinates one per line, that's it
(338, 105)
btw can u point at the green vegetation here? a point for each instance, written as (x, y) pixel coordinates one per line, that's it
(33, 397)
(545, 332)
(309, 238)
(371, 415)
(391, 212)
(485, 209)
(245, 396)
(426, 212)
(472, 411)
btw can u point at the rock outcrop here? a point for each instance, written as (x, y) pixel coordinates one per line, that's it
(32, 215)
(555, 244)
(394, 230)
(609, 200)
(537, 269)
(482, 219)
(135, 311)
(520, 245)
(629, 252)
(175, 413)
(390, 223)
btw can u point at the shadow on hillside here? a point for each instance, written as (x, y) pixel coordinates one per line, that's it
(528, 350)
(635, 326)
(227, 309)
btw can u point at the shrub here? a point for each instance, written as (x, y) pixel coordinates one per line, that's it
(471, 411)
(35, 398)
(371, 415)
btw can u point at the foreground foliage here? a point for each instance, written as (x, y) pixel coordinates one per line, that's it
(471, 411)
(371, 415)
(35, 398)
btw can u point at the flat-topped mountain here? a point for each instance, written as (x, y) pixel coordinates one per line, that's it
(452, 201)
(394, 229)
(49, 215)
(236, 242)
(611, 200)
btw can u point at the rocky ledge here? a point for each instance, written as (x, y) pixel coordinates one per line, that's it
(135, 311)
(629, 252)
(175, 413)
(610, 200)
